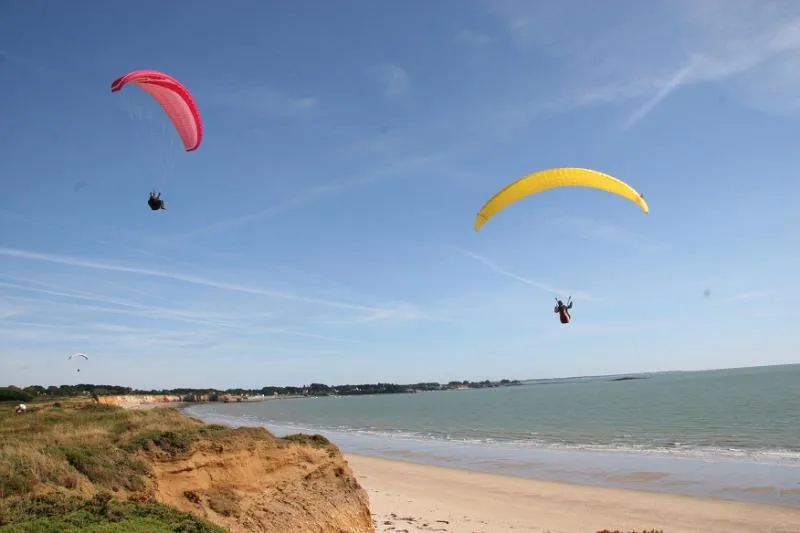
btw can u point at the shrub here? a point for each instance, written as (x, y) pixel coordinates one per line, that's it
(23, 469)
(13, 394)
(106, 466)
(317, 441)
(172, 442)
(57, 513)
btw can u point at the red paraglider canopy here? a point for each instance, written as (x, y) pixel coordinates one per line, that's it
(174, 98)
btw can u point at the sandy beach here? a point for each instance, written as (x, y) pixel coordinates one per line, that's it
(407, 497)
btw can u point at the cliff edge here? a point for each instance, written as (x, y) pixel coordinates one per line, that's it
(135, 400)
(242, 479)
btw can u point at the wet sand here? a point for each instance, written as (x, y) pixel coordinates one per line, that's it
(407, 497)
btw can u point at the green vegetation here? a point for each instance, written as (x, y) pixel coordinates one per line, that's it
(171, 442)
(68, 447)
(82, 457)
(58, 513)
(104, 465)
(88, 390)
(15, 394)
(75, 465)
(64, 446)
(320, 389)
(316, 441)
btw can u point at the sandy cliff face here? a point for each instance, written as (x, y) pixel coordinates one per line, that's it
(254, 482)
(242, 479)
(132, 400)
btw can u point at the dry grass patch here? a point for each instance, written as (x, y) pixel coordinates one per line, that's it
(77, 466)
(223, 501)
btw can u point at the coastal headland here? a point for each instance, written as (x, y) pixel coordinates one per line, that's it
(78, 465)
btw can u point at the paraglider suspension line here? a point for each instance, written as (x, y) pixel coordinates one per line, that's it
(168, 162)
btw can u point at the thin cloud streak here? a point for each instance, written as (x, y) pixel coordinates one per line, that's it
(313, 193)
(503, 272)
(403, 312)
(186, 278)
(605, 233)
(260, 99)
(185, 315)
(745, 296)
(232, 324)
(130, 308)
(472, 38)
(99, 336)
(301, 199)
(752, 48)
(663, 93)
(395, 79)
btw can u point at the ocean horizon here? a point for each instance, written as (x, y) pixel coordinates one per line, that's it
(730, 433)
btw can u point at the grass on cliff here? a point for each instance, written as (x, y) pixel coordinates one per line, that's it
(58, 513)
(84, 447)
(72, 451)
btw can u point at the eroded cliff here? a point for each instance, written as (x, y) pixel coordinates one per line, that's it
(134, 400)
(247, 480)
(241, 479)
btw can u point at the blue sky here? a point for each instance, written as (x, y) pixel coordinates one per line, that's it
(323, 231)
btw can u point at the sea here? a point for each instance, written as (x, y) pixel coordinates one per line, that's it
(731, 434)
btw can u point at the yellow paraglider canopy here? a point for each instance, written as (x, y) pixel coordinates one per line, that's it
(554, 178)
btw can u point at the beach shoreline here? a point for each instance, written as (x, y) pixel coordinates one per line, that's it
(739, 479)
(406, 496)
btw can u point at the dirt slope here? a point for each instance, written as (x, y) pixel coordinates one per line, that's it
(250, 483)
(241, 479)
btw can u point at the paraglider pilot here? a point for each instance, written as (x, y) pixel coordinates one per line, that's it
(563, 311)
(155, 202)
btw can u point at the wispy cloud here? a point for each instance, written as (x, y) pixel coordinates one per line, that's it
(132, 243)
(110, 337)
(746, 296)
(311, 194)
(8, 310)
(277, 322)
(117, 305)
(395, 79)
(472, 39)
(624, 327)
(303, 198)
(647, 52)
(497, 269)
(259, 99)
(403, 312)
(665, 91)
(605, 232)
(176, 276)
(64, 229)
(67, 79)
(49, 315)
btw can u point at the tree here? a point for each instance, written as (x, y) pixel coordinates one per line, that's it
(14, 394)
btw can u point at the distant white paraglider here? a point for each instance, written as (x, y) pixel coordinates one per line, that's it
(78, 355)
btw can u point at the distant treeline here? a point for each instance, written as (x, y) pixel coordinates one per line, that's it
(314, 389)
